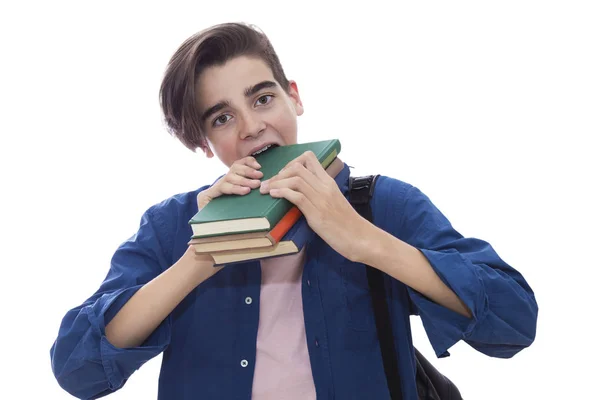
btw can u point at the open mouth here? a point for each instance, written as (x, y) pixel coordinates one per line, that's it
(264, 149)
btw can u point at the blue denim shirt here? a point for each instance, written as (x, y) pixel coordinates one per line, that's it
(209, 340)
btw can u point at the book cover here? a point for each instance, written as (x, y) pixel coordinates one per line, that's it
(254, 212)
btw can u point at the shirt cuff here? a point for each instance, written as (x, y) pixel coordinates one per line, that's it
(120, 363)
(445, 327)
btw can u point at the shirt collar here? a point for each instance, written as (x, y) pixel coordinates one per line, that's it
(342, 179)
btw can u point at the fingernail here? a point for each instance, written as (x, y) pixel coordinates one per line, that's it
(264, 187)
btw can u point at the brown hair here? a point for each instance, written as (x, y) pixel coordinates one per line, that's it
(213, 46)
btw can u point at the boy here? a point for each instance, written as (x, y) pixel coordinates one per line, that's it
(295, 327)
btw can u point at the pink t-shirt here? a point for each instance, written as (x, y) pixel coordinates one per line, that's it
(282, 370)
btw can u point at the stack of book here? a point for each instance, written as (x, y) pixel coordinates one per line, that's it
(234, 228)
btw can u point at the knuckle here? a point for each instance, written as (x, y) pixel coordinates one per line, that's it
(240, 170)
(229, 177)
(296, 166)
(248, 160)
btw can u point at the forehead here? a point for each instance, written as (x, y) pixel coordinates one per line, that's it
(228, 81)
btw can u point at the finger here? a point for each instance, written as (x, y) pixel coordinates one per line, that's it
(311, 164)
(235, 179)
(299, 168)
(283, 172)
(297, 184)
(299, 159)
(296, 198)
(314, 166)
(295, 169)
(309, 160)
(246, 171)
(229, 188)
(249, 161)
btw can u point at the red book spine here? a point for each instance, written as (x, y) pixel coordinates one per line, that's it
(284, 225)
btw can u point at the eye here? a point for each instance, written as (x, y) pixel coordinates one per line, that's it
(264, 100)
(221, 120)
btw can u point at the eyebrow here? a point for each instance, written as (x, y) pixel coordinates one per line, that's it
(212, 110)
(248, 92)
(252, 90)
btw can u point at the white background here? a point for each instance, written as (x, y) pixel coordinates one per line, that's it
(491, 108)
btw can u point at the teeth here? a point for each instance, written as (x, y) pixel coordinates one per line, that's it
(261, 150)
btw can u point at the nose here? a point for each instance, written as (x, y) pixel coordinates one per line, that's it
(252, 125)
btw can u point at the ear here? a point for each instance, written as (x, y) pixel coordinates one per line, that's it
(295, 97)
(206, 149)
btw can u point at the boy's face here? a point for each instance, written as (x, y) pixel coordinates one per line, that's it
(243, 109)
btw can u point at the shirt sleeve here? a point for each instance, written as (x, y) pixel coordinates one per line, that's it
(84, 362)
(503, 305)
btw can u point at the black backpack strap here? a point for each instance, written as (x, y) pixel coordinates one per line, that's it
(361, 190)
(431, 384)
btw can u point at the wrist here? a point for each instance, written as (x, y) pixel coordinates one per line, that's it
(362, 240)
(208, 193)
(198, 267)
(367, 243)
(204, 198)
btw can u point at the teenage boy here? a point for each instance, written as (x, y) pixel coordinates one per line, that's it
(294, 327)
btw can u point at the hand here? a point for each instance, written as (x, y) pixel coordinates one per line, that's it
(242, 177)
(307, 185)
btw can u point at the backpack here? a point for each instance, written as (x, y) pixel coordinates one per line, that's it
(431, 384)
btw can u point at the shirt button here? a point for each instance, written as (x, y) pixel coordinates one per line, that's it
(316, 342)
(308, 282)
(248, 300)
(244, 363)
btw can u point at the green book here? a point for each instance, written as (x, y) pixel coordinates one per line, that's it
(256, 212)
